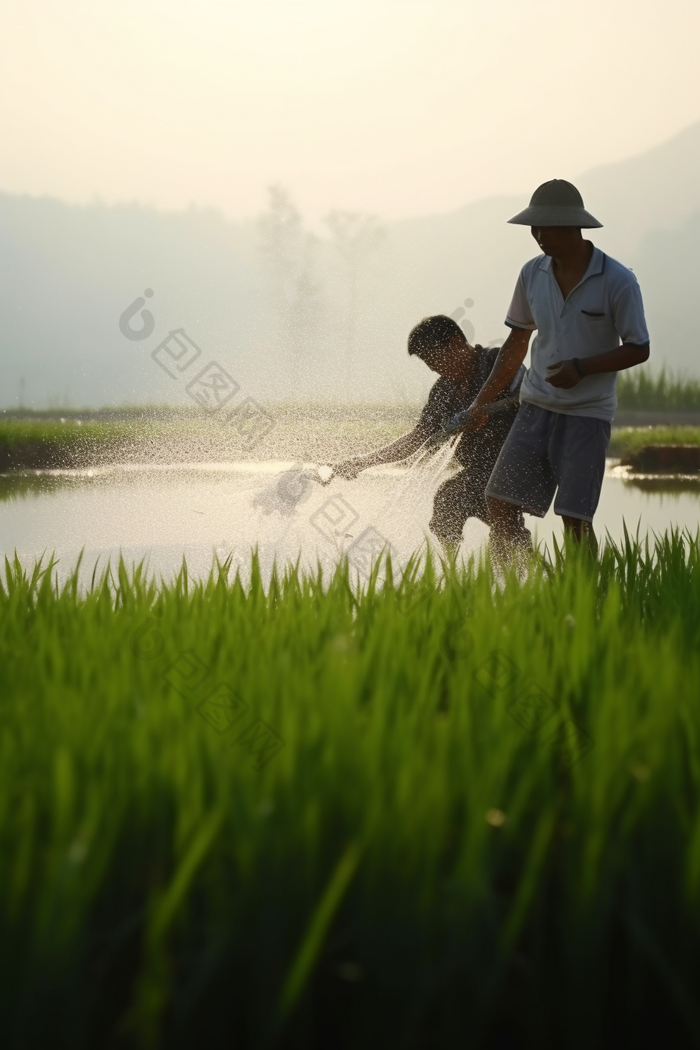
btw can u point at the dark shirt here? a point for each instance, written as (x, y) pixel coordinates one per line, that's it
(477, 450)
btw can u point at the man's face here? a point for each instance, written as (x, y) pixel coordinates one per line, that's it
(450, 361)
(556, 240)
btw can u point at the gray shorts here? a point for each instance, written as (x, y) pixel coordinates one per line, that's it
(547, 452)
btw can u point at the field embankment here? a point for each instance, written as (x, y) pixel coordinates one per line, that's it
(314, 433)
(657, 449)
(318, 434)
(440, 814)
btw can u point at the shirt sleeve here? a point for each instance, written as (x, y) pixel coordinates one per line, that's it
(519, 313)
(628, 313)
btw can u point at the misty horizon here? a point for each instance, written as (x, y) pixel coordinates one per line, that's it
(401, 141)
(277, 314)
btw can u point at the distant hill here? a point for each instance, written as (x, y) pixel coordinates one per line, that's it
(68, 272)
(658, 189)
(649, 206)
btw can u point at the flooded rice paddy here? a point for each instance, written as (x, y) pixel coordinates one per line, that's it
(208, 510)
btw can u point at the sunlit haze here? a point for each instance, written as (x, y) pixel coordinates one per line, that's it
(399, 108)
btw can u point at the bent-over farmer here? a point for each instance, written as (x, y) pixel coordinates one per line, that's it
(463, 369)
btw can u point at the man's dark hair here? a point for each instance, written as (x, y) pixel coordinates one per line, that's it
(432, 333)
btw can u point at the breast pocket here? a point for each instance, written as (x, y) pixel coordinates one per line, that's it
(597, 329)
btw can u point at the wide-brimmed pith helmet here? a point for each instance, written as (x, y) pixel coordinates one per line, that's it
(556, 203)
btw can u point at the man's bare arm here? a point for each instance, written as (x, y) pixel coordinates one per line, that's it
(627, 355)
(400, 449)
(510, 357)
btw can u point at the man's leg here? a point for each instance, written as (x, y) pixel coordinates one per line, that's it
(522, 479)
(457, 499)
(450, 511)
(508, 532)
(579, 448)
(582, 532)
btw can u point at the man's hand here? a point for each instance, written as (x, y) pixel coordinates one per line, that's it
(477, 419)
(348, 469)
(461, 422)
(563, 375)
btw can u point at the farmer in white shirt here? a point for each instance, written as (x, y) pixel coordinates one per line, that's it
(587, 311)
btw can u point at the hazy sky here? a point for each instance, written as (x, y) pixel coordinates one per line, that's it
(401, 107)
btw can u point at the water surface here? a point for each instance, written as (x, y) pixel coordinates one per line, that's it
(198, 511)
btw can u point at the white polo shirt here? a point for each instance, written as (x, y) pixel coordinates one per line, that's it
(604, 309)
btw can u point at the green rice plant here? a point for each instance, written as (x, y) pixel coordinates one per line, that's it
(429, 810)
(644, 391)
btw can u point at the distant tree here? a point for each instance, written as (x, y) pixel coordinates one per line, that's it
(356, 236)
(307, 309)
(289, 251)
(281, 236)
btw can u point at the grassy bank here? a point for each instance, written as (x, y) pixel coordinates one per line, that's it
(421, 818)
(624, 440)
(44, 443)
(321, 436)
(70, 432)
(320, 433)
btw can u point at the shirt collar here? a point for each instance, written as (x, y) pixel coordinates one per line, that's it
(596, 265)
